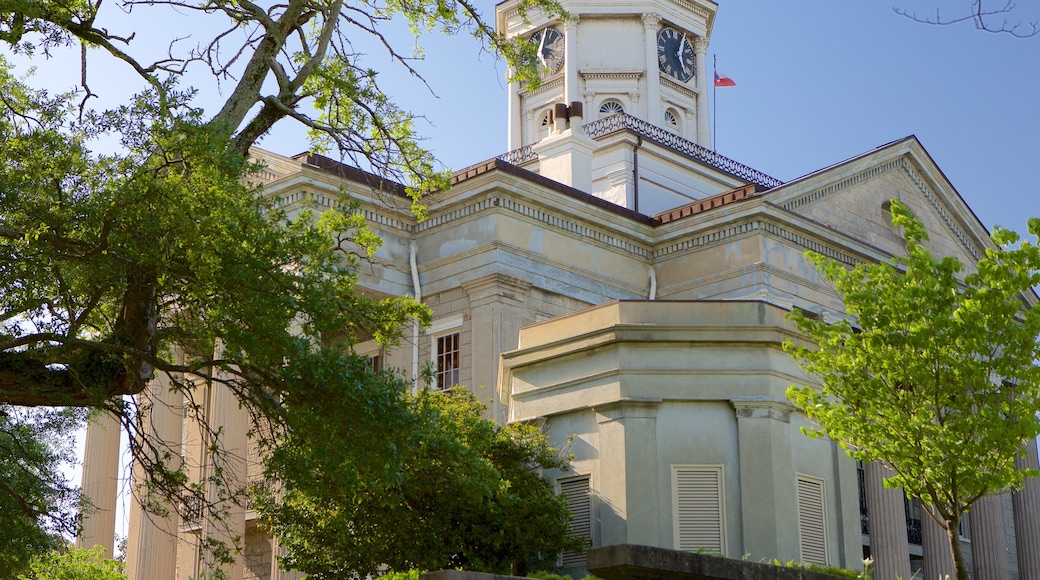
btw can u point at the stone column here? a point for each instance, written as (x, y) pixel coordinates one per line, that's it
(100, 484)
(496, 313)
(226, 516)
(935, 545)
(629, 482)
(151, 551)
(700, 49)
(571, 90)
(515, 116)
(769, 510)
(654, 113)
(276, 572)
(887, 513)
(1026, 505)
(988, 545)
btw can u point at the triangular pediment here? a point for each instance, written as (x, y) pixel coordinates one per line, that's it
(850, 197)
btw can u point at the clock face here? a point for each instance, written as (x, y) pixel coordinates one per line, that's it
(675, 54)
(549, 54)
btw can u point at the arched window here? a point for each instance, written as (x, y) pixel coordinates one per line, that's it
(544, 125)
(610, 107)
(671, 120)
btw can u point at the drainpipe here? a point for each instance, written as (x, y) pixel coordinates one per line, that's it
(417, 292)
(653, 284)
(635, 172)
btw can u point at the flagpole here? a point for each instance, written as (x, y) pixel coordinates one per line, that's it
(714, 102)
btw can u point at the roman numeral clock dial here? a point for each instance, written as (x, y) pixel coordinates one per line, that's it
(549, 55)
(675, 54)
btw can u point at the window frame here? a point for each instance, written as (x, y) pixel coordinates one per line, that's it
(441, 329)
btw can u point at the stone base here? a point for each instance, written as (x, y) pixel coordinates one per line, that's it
(629, 562)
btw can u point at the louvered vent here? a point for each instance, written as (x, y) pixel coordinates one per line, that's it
(697, 497)
(812, 521)
(579, 500)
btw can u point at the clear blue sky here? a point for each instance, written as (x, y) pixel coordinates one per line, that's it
(818, 81)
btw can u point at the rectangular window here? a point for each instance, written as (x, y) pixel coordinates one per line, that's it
(812, 520)
(579, 500)
(448, 361)
(698, 508)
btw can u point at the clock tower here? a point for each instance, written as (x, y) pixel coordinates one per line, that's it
(646, 59)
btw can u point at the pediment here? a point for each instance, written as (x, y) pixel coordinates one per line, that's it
(850, 197)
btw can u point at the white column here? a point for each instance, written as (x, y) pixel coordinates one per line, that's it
(515, 116)
(887, 515)
(571, 91)
(700, 49)
(935, 546)
(100, 483)
(151, 551)
(1026, 505)
(988, 545)
(651, 23)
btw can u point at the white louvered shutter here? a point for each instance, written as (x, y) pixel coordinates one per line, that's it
(699, 510)
(579, 500)
(812, 520)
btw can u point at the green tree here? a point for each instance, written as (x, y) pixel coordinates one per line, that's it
(73, 563)
(933, 374)
(460, 491)
(37, 504)
(157, 256)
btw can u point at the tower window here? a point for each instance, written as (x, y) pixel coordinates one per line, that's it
(611, 107)
(671, 120)
(545, 125)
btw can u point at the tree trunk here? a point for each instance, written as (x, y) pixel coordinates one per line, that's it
(953, 532)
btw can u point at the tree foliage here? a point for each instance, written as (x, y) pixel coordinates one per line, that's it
(933, 374)
(438, 487)
(132, 243)
(72, 563)
(37, 503)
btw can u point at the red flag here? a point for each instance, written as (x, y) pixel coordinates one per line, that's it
(723, 81)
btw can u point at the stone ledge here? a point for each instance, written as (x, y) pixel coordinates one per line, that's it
(630, 562)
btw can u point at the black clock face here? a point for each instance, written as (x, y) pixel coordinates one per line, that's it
(549, 54)
(675, 54)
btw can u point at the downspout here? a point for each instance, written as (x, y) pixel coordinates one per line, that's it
(635, 172)
(417, 292)
(653, 285)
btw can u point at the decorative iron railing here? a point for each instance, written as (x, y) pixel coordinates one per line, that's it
(626, 122)
(519, 156)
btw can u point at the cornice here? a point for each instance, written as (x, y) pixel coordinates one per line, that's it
(611, 74)
(536, 213)
(681, 89)
(549, 85)
(919, 184)
(691, 7)
(926, 192)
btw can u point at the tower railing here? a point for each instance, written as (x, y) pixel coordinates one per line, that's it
(625, 122)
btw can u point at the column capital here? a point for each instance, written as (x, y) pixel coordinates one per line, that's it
(496, 285)
(762, 408)
(651, 20)
(627, 409)
(700, 45)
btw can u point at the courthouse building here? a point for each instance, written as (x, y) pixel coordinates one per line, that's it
(616, 281)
